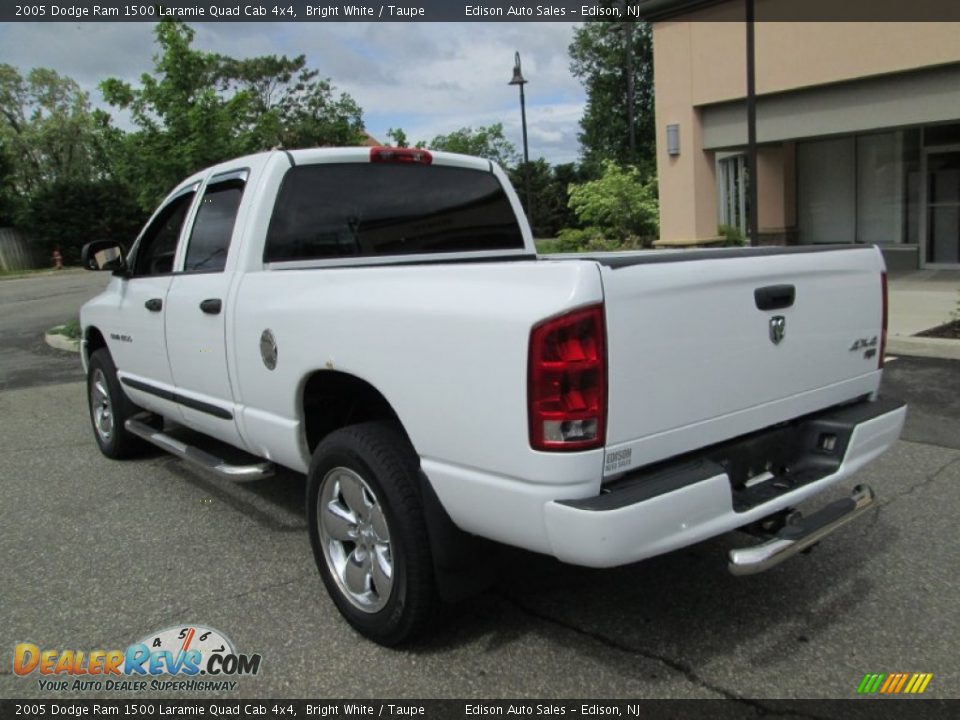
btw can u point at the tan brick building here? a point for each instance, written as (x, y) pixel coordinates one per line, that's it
(858, 129)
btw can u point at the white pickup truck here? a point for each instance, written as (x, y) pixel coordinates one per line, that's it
(378, 319)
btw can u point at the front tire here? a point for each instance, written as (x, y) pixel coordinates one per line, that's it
(368, 531)
(110, 408)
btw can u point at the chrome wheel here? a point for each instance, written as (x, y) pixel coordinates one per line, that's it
(355, 539)
(100, 406)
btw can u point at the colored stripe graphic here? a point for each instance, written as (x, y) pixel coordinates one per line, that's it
(900, 682)
(894, 683)
(891, 679)
(870, 683)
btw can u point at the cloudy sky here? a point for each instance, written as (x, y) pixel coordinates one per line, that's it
(428, 78)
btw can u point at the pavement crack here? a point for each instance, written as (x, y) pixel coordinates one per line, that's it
(762, 709)
(929, 479)
(268, 586)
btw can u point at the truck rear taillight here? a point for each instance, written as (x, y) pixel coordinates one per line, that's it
(567, 381)
(883, 331)
(400, 155)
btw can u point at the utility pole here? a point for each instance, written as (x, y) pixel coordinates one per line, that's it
(631, 91)
(752, 193)
(519, 80)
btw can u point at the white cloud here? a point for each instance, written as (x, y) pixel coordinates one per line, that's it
(428, 78)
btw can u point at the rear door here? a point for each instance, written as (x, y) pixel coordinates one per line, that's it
(197, 311)
(708, 345)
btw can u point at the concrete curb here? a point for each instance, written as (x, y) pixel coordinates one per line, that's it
(924, 347)
(61, 342)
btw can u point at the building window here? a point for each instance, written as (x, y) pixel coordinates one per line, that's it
(732, 191)
(943, 207)
(826, 191)
(880, 188)
(859, 189)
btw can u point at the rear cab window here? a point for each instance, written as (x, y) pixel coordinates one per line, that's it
(366, 210)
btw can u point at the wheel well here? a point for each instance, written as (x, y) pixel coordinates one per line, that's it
(94, 342)
(332, 400)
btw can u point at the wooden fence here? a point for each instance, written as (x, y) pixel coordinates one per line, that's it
(16, 252)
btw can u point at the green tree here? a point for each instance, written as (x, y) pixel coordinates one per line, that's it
(486, 142)
(183, 122)
(9, 198)
(399, 137)
(548, 188)
(290, 105)
(598, 58)
(620, 203)
(199, 108)
(68, 213)
(47, 130)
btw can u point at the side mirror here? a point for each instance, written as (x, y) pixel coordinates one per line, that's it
(104, 255)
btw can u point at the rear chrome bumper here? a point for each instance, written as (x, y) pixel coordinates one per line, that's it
(691, 502)
(800, 535)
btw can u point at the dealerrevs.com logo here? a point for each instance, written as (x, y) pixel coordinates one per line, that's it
(180, 658)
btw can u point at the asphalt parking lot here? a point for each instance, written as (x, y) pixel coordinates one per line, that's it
(96, 554)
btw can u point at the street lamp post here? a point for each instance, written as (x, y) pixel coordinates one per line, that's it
(519, 80)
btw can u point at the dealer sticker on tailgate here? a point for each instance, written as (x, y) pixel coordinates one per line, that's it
(618, 459)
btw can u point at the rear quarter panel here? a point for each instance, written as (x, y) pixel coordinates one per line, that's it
(446, 344)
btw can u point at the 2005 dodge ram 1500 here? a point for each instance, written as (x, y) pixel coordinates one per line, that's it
(378, 319)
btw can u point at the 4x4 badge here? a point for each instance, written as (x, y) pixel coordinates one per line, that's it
(778, 328)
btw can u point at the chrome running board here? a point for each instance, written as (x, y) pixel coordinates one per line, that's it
(196, 456)
(797, 536)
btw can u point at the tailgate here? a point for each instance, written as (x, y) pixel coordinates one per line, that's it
(707, 345)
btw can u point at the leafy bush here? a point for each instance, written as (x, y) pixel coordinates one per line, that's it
(576, 240)
(732, 236)
(620, 203)
(573, 240)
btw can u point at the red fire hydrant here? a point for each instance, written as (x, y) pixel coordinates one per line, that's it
(57, 259)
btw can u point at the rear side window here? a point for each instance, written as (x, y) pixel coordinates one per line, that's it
(338, 210)
(213, 228)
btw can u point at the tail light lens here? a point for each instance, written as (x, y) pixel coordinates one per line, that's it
(883, 331)
(567, 383)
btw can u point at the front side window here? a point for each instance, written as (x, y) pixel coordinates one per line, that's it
(213, 228)
(338, 210)
(158, 244)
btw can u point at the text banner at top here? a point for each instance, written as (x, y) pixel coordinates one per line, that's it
(459, 11)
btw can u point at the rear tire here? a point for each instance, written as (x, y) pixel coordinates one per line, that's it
(368, 531)
(110, 408)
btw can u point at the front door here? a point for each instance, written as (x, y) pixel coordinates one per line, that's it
(137, 339)
(942, 212)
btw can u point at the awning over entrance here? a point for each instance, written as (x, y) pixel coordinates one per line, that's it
(898, 100)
